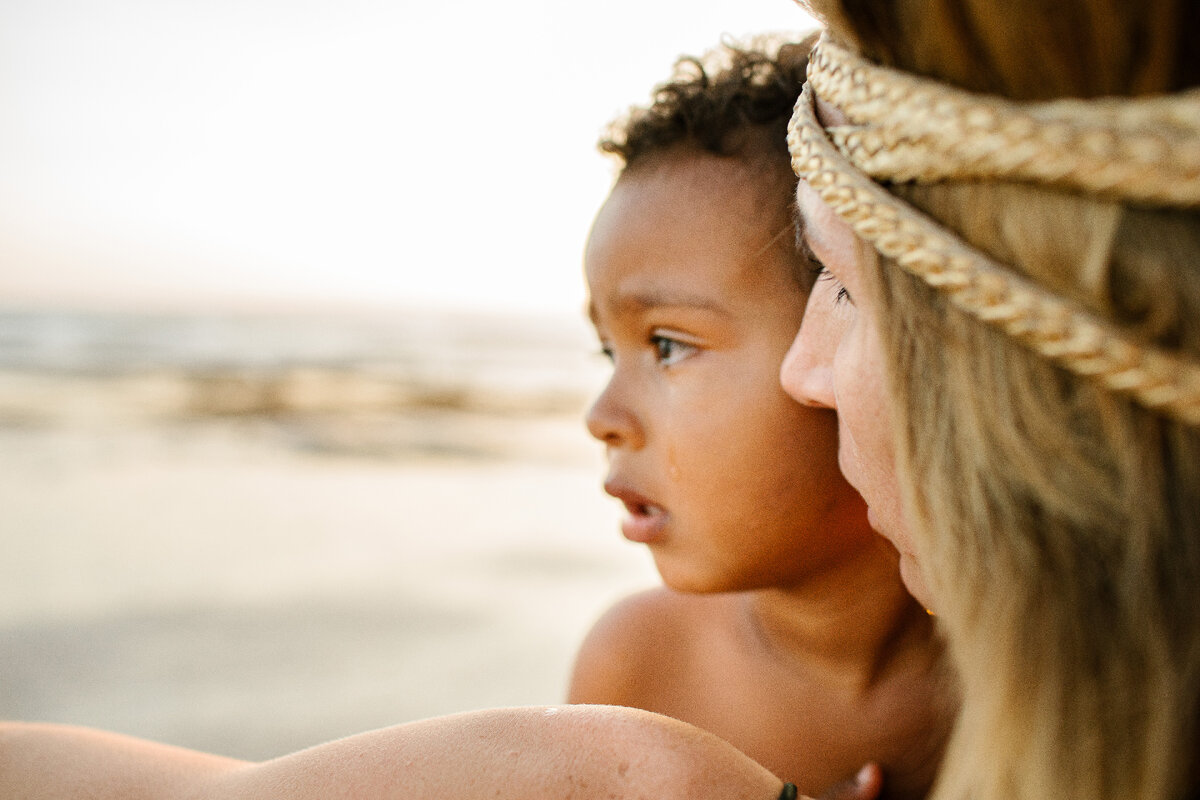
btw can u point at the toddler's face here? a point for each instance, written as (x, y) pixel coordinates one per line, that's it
(731, 483)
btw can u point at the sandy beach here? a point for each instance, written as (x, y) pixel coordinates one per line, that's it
(250, 554)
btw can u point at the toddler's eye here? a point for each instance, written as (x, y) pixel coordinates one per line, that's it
(606, 351)
(670, 351)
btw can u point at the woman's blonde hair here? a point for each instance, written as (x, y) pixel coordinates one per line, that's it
(1057, 522)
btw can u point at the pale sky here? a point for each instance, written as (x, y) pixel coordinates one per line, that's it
(208, 153)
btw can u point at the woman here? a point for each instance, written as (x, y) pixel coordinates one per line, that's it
(1017, 374)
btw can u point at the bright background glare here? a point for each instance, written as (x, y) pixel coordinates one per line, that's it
(160, 155)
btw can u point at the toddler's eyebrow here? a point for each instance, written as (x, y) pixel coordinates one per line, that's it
(644, 299)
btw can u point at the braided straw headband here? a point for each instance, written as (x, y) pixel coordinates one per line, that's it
(909, 128)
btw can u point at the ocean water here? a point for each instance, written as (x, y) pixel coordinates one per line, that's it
(274, 364)
(552, 353)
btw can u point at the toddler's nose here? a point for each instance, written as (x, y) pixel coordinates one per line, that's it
(611, 421)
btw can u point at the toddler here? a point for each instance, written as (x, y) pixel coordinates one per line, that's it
(783, 626)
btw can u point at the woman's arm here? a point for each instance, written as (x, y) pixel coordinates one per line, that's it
(60, 761)
(556, 753)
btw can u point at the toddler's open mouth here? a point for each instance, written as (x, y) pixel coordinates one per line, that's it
(646, 520)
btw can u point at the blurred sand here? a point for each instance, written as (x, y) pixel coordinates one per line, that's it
(251, 561)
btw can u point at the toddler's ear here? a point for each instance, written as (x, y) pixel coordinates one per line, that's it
(866, 784)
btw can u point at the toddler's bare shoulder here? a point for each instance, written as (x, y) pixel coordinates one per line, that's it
(661, 616)
(642, 639)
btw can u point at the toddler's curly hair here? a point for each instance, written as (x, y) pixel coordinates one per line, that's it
(716, 100)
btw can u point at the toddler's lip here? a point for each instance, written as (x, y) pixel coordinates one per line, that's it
(635, 502)
(647, 519)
